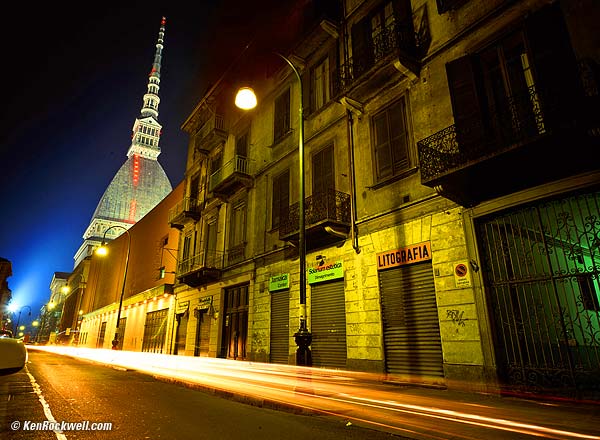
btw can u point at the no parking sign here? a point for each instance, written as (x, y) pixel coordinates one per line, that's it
(462, 275)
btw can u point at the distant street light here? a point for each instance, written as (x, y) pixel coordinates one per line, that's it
(246, 100)
(14, 309)
(103, 250)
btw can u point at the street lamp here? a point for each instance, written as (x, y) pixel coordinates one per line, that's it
(102, 250)
(246, 100)
(14, 310)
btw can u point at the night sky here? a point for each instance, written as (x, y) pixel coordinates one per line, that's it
(74, 77)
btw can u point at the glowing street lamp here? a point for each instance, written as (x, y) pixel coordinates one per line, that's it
(102, 251)
(13, 309)
(246, 100)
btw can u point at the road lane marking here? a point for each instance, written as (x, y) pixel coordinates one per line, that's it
(45, 406)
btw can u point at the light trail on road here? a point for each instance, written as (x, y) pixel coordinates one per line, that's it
(354, 396)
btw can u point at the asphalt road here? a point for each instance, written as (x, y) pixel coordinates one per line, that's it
(62, 389)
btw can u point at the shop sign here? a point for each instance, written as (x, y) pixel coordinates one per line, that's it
(182, 307)
(406, 255)
(279, 282)
(326, 272)
(204, 303)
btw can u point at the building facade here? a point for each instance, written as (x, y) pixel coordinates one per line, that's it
(451, 201)
(144, 259)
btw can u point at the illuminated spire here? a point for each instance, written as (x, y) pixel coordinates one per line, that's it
(141, 183)
(146, 129)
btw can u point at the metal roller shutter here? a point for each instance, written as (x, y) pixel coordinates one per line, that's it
(328, 310)
(410, 321)
(280, 327)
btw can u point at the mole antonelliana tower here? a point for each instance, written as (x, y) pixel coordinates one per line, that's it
(141, 183)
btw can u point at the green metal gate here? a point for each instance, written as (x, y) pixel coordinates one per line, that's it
(541, 264)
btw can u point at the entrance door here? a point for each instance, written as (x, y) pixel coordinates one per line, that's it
(181, 334)
(202, 333)
(235, 323)
(541, 266)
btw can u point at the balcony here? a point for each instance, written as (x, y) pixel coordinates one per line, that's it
(394, 50)
(232, 176)
(184, 211)
(235, 254)
(532, 140)
(203, 268)
(211, 134)
(324, 213)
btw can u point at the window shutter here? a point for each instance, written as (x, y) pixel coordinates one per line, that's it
(383, 154)
(465, 95)
(323, 175)
(398, 136)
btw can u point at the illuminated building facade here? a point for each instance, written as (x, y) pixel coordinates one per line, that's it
(147, 314)
(141, 183)
(451, 199)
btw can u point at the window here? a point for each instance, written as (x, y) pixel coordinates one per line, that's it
(237, 234)
(210, 248)
(391, 141)
(319, 85)
(281, 198)
(517, 88)
(282, 116)
(216, 162)
(323, 171)
(155, 331)
(241, 145)
(587, 290)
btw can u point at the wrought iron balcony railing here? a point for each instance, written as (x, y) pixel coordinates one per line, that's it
(239, 165)
(187, 207)
(212, 132)
(397, 36)
(514, 123)
(209, 259)
(332, 206)
(519, 120)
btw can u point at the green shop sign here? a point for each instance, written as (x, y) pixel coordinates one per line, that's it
(327, 272)
(279, 282)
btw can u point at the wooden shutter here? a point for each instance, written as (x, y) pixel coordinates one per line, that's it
(323, 174)
(466, 97)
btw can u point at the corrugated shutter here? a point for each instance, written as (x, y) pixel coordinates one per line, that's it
(280, 327)
(202, 334)
(410, 321)
(328, 310)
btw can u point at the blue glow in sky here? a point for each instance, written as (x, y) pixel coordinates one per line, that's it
(74, 82)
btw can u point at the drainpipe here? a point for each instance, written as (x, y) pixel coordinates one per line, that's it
(354, 231)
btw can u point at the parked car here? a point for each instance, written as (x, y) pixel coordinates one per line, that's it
(13, 353)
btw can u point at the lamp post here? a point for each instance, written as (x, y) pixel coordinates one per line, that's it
(246, 100)
(14, 310)
(103, 251)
